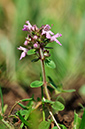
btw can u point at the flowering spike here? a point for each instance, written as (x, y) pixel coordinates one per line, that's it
(38, 38)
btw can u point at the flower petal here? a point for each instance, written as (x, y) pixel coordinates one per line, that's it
(23, 54)
(47, 27)
(26, 43)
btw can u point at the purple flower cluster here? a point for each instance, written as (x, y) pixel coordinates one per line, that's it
(38, 38)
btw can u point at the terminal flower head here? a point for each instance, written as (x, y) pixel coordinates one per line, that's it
(38, 38)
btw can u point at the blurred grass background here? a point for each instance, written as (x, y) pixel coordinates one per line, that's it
(67, 17)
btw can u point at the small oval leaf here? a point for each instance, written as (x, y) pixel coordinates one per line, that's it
(44, 125)
(58, 106)
(23, 100)
(31, 52)
(49, 63)
(36, 84)
(24, 107)
(68, 91)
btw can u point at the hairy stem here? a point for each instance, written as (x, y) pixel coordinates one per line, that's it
(43, 74)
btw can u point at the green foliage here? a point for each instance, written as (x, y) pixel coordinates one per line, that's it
(34, 119)
(44, 125)
(82, 90)
(29, 99)
(2, 102)
(82, 126)
(77, 121)
(3, 126)
(55, 127)
(31, 52)
(35, 60)
(24, 107)
(62, 127)
(53, 84)
(23, 120)
(58, 106)
(68, 91)
(36, 84)
(1, 117)
(47, 101)
(59, 88)
(49, 63)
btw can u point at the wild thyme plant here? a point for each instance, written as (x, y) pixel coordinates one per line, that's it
(36, 44)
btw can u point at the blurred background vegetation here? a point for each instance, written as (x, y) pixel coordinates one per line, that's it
(67, 17)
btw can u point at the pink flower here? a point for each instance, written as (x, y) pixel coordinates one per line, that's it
(47, 27)
(36, 45)
(27, 27)
(46, 30)
(53, 38)
(26, 43)
(23, 54)
(34, 28)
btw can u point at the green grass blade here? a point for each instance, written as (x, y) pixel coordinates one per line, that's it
(2, 102)
(82, 126)
(23, 120)
(77, 121)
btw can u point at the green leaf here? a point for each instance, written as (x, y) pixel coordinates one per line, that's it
(49, 47)
(26, 113)
(24, 107)
(3, 125)
(49, 63)
(36, 84)
(50, 89)
(31, 52)
(23, 100)
(77, 121)
(52, 83)
(68, 91)
(82, 126)
(1, 117)
(34, 119)
(23, 112)
(23, 120)
(82, 90)
(48, 101)
(2, 102)
(55, 127)
(62, 127)
(60, 99)
(44, 125)
(58, 106)
(35, 60)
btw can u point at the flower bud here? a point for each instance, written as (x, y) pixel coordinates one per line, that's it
(46, 53)
(35, 37)
(26, 43)
(36, 45)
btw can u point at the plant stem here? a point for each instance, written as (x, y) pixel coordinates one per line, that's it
(43, 74)
(43, 106)
(54, 119)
